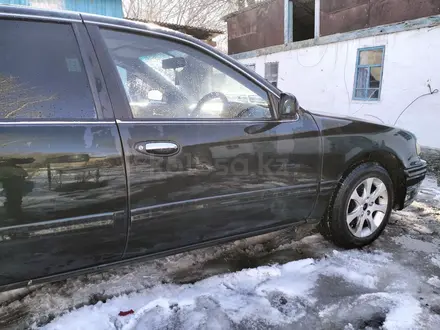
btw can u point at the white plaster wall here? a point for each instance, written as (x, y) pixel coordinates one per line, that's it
(322, 78)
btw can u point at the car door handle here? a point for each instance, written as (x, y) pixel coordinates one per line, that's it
(164, 148)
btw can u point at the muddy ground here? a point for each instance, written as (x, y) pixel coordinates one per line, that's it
(412, 239)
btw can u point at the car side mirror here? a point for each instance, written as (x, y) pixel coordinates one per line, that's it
(288, 106)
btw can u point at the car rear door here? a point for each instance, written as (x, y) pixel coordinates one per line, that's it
(206, 158)
(63, 192)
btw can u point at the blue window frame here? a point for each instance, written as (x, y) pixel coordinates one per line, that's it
(369, 73)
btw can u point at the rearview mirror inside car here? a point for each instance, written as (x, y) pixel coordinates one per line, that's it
(173, 63)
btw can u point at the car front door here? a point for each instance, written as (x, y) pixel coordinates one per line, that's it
(63, 192)
(206, 157)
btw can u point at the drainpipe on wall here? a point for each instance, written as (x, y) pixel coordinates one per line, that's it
(288, 21)
(317, 18)
(290, 24)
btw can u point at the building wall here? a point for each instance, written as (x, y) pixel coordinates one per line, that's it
(258, 27)
(322, 78)
(101, 7)
(339, 16)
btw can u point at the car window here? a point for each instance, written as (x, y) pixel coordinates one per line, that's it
(41, 73)
(165, 79)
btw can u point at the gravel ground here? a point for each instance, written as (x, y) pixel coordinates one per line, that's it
(392, 284)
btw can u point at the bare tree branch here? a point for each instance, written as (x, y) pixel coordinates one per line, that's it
(202, 13)
(199, 13)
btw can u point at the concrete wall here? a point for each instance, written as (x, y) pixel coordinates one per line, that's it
(322, 78)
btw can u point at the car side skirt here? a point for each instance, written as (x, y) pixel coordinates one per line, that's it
(102, 267)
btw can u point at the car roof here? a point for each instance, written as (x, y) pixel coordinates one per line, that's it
(17, 10)
(66, 15)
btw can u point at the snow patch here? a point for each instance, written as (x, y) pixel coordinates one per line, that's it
(279, 295)
(355, 269)
(403, 313)
(436, 260)
(434, 281)
(413, 244)
(430, 188)
(382, 310)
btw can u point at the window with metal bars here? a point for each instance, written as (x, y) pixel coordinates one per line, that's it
(369, 72)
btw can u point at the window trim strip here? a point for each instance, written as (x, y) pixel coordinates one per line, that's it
(56, 122)
(40, 18)
(204, 121)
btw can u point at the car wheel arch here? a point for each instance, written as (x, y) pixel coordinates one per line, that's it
(388, 160)
(333, 225)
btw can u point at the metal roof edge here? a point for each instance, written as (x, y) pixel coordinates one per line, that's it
(168, 24)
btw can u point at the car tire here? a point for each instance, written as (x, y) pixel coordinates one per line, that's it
(356, 217)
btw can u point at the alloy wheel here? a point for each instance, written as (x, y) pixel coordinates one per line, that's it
(367, 207)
